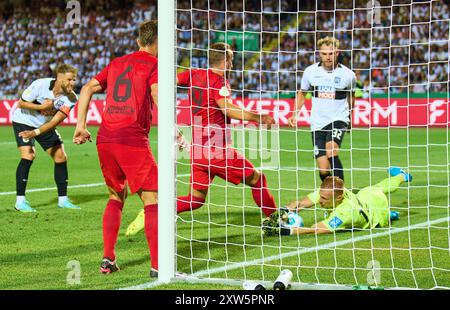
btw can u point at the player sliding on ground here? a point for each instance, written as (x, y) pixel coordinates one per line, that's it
(367, 209)
(211, 151)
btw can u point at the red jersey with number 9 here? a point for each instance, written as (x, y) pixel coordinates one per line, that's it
(205, 88)
(127, 115)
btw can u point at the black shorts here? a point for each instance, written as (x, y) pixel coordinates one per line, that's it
(332, 132)
(47, 140)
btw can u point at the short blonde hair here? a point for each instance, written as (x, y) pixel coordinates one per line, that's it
(328, 41)
(333, 183)
(66, 69)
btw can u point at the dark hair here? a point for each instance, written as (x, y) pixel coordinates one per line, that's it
(148, 32)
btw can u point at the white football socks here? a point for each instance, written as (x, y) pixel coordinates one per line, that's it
(62, 199)
(20, 199)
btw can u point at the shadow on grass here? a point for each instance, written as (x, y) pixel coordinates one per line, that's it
(135, 262)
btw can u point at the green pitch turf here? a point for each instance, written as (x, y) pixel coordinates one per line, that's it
(222, 239)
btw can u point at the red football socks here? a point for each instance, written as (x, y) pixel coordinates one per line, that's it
(263, 197)
(111, 224)
(151, 232)
(189, 203)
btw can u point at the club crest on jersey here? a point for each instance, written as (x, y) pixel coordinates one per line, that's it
(337, 80)
(224, 92)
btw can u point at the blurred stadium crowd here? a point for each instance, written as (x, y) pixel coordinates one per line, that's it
(35, 38)
(405, 48)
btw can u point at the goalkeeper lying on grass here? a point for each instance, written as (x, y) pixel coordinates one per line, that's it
(367, 209)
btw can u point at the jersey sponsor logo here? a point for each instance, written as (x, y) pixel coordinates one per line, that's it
(224, 92)
(335, 222)
(326, 92)
(127, 110)
(323, 95)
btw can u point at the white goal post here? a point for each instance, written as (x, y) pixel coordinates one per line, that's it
(166, 140)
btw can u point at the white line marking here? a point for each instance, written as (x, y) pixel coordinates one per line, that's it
(34, 190)
(321, 247)
(188, 174)
(258, 262)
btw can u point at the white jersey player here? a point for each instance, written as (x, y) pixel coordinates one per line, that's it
(43, 106)
(332, 86)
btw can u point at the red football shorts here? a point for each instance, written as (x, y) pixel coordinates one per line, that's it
(123, 164)
(231, 166)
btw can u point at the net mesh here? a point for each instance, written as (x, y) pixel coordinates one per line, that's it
(399, 51)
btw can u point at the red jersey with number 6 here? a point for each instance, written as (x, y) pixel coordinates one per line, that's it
(127, 115)
(207, 118)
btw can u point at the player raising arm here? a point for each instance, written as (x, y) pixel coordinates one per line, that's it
(211, 151)
(122, 142)
(43, 106)
(367, 209)
(332, 86)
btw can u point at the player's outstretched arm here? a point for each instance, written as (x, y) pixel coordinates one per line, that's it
(235, 112)
(81, 134)
(318, 228)
(55, 121)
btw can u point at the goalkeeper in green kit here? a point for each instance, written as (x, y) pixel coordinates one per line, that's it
(367, 209)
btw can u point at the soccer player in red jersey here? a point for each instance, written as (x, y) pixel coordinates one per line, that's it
(211, 152)
(131, 84)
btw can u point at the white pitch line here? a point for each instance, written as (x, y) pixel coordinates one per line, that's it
(322, 247)
(34, 190)
(188, 174)
(258, 262)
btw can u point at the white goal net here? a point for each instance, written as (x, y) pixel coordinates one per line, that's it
(399, 53)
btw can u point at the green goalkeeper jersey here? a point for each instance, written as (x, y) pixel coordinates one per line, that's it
(367, 209)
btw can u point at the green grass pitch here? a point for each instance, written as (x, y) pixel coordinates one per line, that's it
(224, 235)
